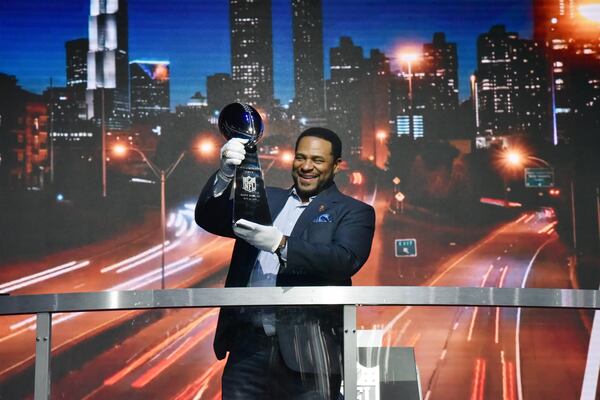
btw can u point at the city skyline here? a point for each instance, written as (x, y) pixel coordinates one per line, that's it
(392, 26)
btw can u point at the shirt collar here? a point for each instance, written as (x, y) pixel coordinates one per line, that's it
(294, 194)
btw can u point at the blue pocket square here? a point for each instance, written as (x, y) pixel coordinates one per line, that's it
(323, 218)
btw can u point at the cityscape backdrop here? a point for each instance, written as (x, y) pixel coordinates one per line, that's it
(472, 127)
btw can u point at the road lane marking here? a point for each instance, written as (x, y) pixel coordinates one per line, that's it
(402, 332)
(497, 327)
(443, 356)
(504, 377)
(518, 322)
(472, 325)
(476, 309)
(42, 278)
(413, 341)
(393, 322)
(592, 364)
(491, 237)
(528, 220)
(486, 275)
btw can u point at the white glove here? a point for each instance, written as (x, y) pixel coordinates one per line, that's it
(232, 154)
(265, 238)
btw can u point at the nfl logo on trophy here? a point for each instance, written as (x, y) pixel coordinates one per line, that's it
(249, 183)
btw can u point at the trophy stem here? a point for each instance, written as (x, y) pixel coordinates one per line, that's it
(250, 197)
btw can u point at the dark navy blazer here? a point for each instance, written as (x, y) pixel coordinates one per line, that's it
(329, 243)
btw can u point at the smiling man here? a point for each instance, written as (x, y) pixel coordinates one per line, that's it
(319, 237)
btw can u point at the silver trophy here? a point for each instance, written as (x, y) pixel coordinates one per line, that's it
(238, 120)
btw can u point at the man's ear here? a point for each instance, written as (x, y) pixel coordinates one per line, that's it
(336, 166)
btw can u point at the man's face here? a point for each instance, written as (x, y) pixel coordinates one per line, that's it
(314, 166)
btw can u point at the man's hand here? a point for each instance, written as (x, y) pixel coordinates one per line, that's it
(232, 154)
(265, 238)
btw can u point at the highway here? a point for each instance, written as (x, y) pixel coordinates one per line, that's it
(462, 353)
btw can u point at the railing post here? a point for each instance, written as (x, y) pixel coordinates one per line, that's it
(350, 352)
(43, 344)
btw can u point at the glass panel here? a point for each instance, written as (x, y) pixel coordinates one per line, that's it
(165, 354)
(476, 352)
(17, 350)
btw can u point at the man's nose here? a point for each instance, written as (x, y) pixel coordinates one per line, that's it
(307, 165)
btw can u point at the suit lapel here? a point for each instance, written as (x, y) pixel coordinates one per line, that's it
(320, 204)
(277, 200)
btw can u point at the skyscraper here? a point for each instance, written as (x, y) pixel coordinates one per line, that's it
(220, 91)
(572, 46)
(344, 105)
(512, 84)
(307, 25)
(252, 51)
(440, 64)
(76, 52)
(439, 92)
(107, 66)
(375, 106)
(150, 90)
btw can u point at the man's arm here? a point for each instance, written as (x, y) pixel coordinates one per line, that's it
(214, 211)
(341, 258)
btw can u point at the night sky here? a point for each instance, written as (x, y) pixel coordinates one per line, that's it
(194, 35)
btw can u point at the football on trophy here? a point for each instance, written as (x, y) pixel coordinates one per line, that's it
(239, 120)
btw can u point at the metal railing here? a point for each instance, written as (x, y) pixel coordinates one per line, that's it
(349, 297)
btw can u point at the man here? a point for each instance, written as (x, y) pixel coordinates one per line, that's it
(319, 237)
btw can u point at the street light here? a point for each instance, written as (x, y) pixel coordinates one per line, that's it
(381, 136)
(207, 147)
(590, 11)
(409, 58)
(475, 96)
(162, 174)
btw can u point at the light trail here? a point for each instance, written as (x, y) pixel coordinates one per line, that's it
(46, 276)
(41, 273)
(156, 274)
(521, 219)
(165, 363)
(149, 257)
(548, 227)
(132, 258)
(196, 389)
(147, 356)
(478, 384)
